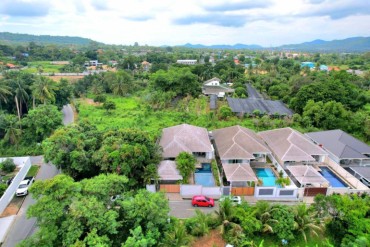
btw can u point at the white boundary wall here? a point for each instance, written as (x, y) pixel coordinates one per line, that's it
(188, 191)
(24, 163)
(276, 193)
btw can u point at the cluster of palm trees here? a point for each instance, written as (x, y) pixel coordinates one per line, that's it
(239, 224)
(21, 88)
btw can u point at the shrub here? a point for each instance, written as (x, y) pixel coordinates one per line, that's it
(2, 189)
(7, 166)
(215, 172)
(100, 98)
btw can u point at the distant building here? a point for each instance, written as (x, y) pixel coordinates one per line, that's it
(310, 65)
(213, 87)
(146, 66)
(187, 61)
(93, 63)
(113, 63)
(324, 67)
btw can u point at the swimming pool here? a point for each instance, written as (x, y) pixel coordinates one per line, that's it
(266, 175)
(332, 178)
(204, 176)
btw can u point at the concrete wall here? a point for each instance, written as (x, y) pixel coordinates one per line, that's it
(276, 193)
(24, 163)
(188, 191)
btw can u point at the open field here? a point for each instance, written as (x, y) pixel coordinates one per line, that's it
(131, 112)
(44, 65)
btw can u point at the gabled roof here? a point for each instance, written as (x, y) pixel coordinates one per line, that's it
(216, 89)
(184, 138)
(167, 170)
(237, 142)
(341, 144)
(306, 174)
(290, 145)
(239, 172)
(249, 105)
(212, 79)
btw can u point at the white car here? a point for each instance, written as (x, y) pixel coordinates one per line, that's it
(234, 199)
(23, 186)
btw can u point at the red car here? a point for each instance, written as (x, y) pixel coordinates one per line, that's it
(202, 201)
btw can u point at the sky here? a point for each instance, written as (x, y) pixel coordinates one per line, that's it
(176, 22)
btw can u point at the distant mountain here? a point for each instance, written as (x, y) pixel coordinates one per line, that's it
(226, 47)
(354, 44)
(42, 39)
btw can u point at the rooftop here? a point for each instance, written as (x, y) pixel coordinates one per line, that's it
(290, 145)
(239, 172)
(341, 144)
(306, 174)
(184, 138)
(167, 170)
(237, 142)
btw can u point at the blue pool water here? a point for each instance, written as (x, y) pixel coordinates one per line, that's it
(332, 178)
(266, 175)
(204, 176)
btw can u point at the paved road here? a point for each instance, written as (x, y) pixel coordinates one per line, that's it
(184, 209)
(23, 227)
(252, 92)
(68, 116)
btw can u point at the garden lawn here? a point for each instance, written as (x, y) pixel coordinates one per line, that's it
(131, 112)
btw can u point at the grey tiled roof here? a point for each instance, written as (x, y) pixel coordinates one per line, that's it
(239, 172)
(306, 174)
(341, 144)
(249, 105)
(184, 138)
(237, 142)
(167, 170)
(290, 145)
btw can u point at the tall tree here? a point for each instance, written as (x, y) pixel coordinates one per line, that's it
(43, 89)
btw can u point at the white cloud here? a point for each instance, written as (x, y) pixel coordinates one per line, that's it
(171, 22)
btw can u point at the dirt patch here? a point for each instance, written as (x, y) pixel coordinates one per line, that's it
(13, 207)
(91, 102)
(213, 239)
(71, 78)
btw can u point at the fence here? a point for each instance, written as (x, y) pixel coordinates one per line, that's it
(276, 193)
(169, 188)
(24, 163)
(188, 191)
(242, 191)
(313, 191)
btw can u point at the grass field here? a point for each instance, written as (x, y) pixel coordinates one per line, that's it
(131, 112)
(45, 65)
(32, 172)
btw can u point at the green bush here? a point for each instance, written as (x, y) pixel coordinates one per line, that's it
(2, 189)
(7, 166)
(100, 98)
(215, 172)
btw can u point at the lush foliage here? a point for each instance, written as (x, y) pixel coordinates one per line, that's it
(83, 214)
(82, 151)
(185, 163)
(7, 166)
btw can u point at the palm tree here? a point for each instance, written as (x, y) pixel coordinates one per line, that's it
(264, 214)
(177, 237)
(225, 216)
(43, 89)
(4, 91)
(121, 83)
(12, 129)
(306, 221)
(21, 96)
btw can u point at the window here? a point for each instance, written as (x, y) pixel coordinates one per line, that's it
(236, 161)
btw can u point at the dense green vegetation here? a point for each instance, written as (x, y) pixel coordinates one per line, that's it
(111, 152)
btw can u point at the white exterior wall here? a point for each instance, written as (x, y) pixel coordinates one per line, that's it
(24, 163)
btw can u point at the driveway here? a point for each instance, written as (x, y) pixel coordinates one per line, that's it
(184, 209)
(23, 227)
(68, 116)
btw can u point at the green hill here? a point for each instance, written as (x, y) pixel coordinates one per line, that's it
(7, 37)
(354, 44)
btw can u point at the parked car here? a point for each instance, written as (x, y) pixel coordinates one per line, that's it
(202, 201)
(24, 186)
(236, 200)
